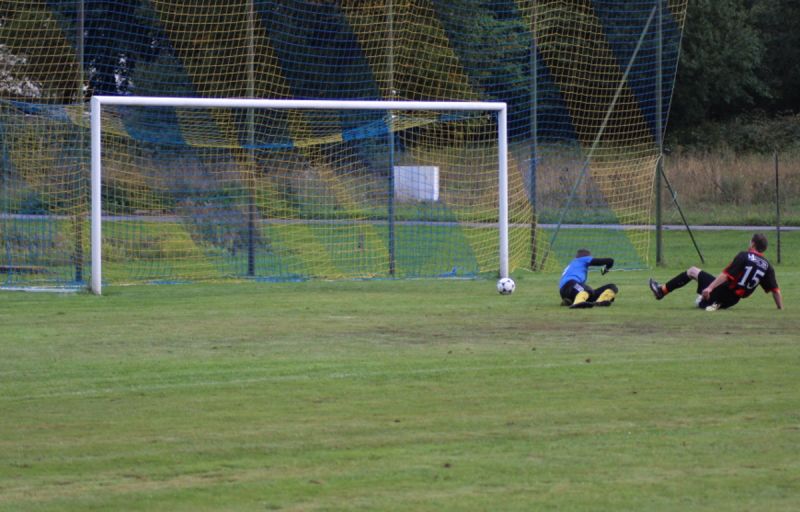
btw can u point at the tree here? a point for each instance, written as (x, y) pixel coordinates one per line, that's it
(493, 46)
(119, 36)
(718, 72)
(12, 83)
(778, 23)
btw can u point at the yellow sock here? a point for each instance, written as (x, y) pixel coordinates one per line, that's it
(606, 296)
(581, 297)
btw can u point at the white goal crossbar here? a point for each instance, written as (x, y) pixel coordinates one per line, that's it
(98, 102)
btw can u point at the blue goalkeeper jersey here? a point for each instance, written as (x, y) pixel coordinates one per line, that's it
(577, 270)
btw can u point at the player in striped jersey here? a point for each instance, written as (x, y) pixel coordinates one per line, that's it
(748, 270)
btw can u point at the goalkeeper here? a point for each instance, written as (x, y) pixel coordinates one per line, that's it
(574, 291)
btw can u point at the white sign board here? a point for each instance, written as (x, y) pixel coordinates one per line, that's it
(416, 183)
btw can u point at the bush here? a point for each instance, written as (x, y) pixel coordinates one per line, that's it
(750, 133)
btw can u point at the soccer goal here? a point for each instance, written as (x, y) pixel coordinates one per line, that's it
(187, 189)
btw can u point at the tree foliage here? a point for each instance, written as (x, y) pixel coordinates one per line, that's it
(738, 83)
(12, 82)
(778, 24)
(739, 57)
(719, 68)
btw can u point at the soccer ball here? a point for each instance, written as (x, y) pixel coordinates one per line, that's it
(506, 286)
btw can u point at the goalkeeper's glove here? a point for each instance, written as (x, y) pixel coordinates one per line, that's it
(603, 270)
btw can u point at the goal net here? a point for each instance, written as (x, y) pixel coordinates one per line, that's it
(587, 85)
(198, 189)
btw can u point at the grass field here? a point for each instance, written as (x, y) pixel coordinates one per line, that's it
(403, 395)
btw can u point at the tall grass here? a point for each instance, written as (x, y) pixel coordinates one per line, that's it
(728, 188)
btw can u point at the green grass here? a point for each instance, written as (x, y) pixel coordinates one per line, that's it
(402, 395)
(730, 214)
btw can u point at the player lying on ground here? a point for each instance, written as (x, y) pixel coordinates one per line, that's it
(574, 291)
(737, 281)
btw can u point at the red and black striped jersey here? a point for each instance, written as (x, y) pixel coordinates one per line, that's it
(747, 271)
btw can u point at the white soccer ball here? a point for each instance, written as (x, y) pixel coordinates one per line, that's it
(506, 286)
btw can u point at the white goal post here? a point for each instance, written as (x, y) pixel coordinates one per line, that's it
(97, 103)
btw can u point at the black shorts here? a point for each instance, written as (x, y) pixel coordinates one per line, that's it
(572, 288)
(721, 295)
